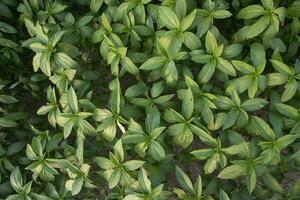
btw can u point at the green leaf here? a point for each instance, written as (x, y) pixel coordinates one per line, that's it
(257, 54)
(223, 195)
(235, 149)
(191, 40)
(225, 103)
(286, 140)
(187, 21)
(211, 164)
(287, 111)
(272, 184)
(198, 186)
(104, 163)
(180, 8)
(129, 66)
(16, 179)
(203, 153)
(207, 72)
(85, 126)
(232, 50)
(185, 138)
(226, 67)
(184, 180)
(72, 100)
(276, 79)
(118, 150)
(156, 150)
(144, 181)
(221, 14)
(250, 12)
(114, 179)
(8, 99)
(243, 67)
(68, 128)
(231, 118)
(172, 116)
(84, 21)
(203, 135)
(232, 172)
(7, 123)
(261, 128)
(210, 42)
(254, 104)
(153, 63)
(7, 43)
(6, 28)
(152, 119)
(63, 60)
(188, 104)
(168, 18)
(101, 114)
(268, 4)
(133, 165)
(95, 5)
(281, 67)
(251, 179)
(290, 90)
(258, 27)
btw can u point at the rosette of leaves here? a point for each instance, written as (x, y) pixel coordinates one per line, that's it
(72, 117)
(189, 190)
(151, 99)
(50, 13)
(237, 111)
(136, 6)
(204, 102)
(117, 170)
(132, 32)
(145, 191)
(105, 30)
(23, 189)
(178, 24)
(212, 59)
(146, 140)
(52, 107)
(62, 78)
(216, 154)
(41, 166)
(249, 164)
(60, 193)
(111, 119)
(268, 22)
(163, 64)
(46, 51)
(252, 78)
(292, 114)
(185, 124)
(28, 9)
(208, 13)
(271, 144)
(115, 54)
(76, 29)
(78, 177)
(286, 75)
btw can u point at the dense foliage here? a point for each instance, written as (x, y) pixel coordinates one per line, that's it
(149, 100)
